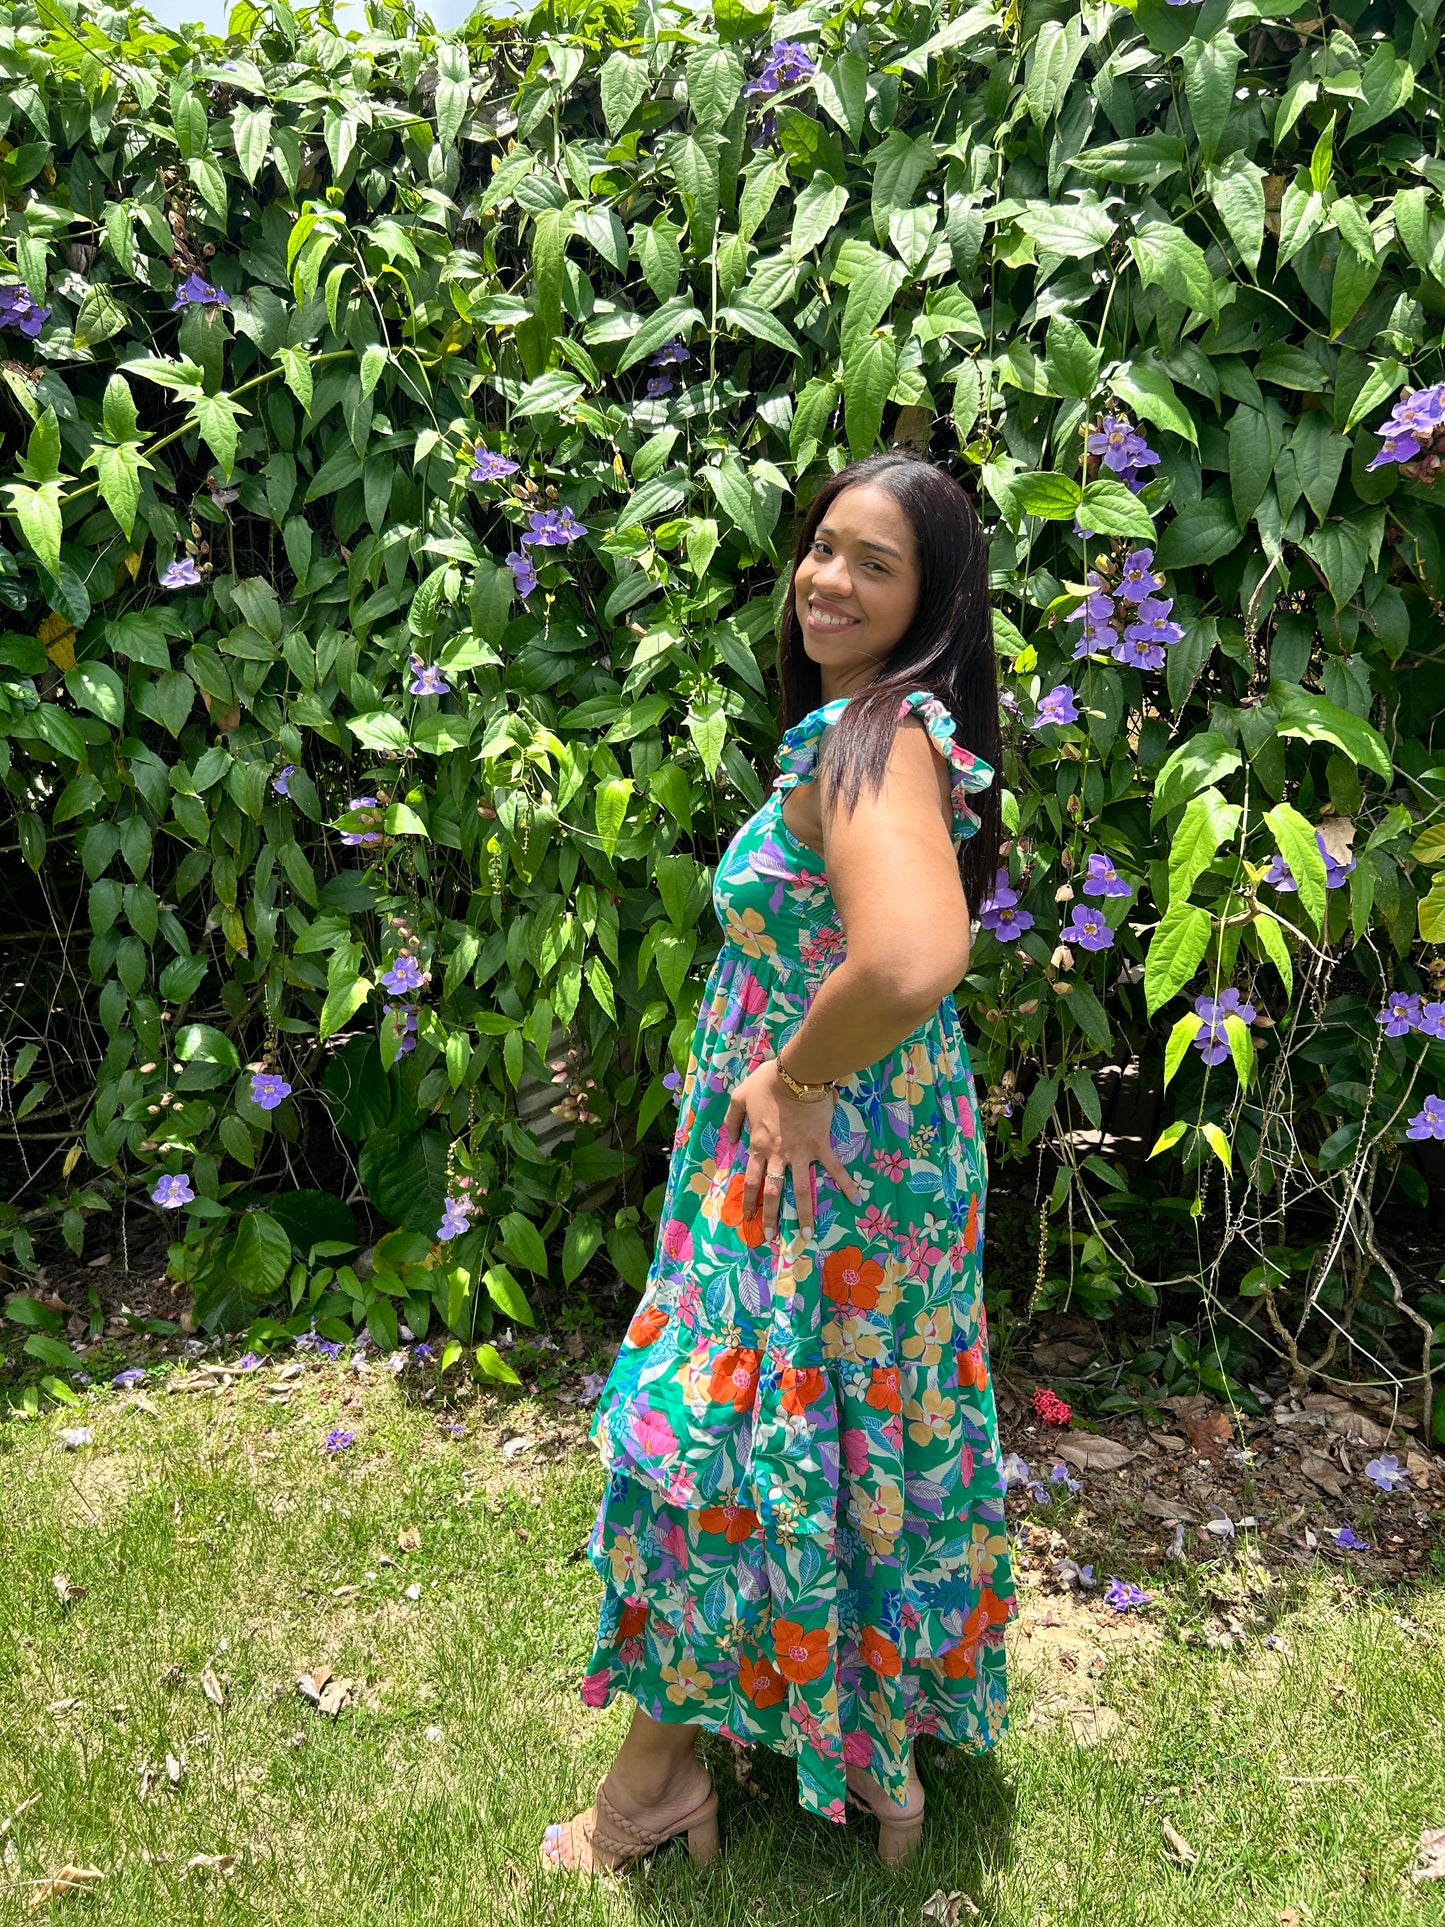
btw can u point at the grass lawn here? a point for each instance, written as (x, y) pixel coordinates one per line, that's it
(213, 1552)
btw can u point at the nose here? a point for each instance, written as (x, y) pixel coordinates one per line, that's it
(832, 577)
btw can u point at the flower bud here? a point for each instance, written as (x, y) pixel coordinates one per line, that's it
(1064, 893)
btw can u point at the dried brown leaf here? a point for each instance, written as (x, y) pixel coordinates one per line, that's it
(326, 1692)
(514, 1446)
(949, 1908)
(1092, 1452)
(1289, 1917)
(1430, 1864)
(222, 1863)
(1208, 1433)
(68, 1880)
(1179, 1847)
(212, 1688)
(409, 1539)
(66, 1590)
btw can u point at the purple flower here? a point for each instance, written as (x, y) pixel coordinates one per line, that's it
(1057, 707)
(407, 1040)
(767, 132)
(1080, 1578)
(327, 1347)
(1335, 873)
(524, 574)
(1059, 1475)
(1001, 914)
(248, 1362)
(337, 1440)
(20, 311)
(180, 574)
(673, 1082)
(1123, 1597)
(1348, 1540)
(1087, 928)
(1431, 1021)
(552, 529)
(659, 386)
(1101, 879)
(198, 293)
(423, 1353)
(132, 1375)
(455, 1219)
(1096, 638)
(1136, 651)
(591, 1388)
(268, 1090)
(1279, 876)
(1402, 1013)
(1152, 622)
(673, 354)
(281, 781)
(171, 1192)
(353, 837)
(1140, 578)
(1212, 1042)
(1040, 1494)
(428, 680)
(1014, 1471)
(1121, 445)
(1411, 425)
(1387, 1472)
(1429, 1122)
(405, 974)
(788, 65)
(490, 467)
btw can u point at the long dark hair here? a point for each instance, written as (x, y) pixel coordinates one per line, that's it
(947, 650)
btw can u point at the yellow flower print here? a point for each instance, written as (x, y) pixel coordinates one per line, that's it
(932, 1331)
(694, 1375)
(747, 930)
(795, 1268)
(931, 1415)
(880, 1517)
(915, 1076)
(895, 1270)
(891, 1732)
(686, 1680)
(921, 1139)
(851, 1338)
(711, 1185)
(626, 1560)
(984, 1550)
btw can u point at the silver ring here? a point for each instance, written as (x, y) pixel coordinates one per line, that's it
(775, 1177)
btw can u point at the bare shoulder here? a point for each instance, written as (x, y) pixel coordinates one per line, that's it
(916, 761)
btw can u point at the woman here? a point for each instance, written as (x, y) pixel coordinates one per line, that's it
(802, 1536)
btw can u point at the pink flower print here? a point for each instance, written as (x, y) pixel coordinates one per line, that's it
(689, 1300)
(594, 1689)
(652, 1436)
(876, 1224)
(965, 1115)
(675, 1540)
(857, 1749)
(835, 1811)
(753, 997)
(677, 1241)
(681, 1489)
(723, 1151)
(889, 1164)
(910, 1616)
(893, 1430)
(810, 1726)
(965, 1464)
(918, 1254)
(920, 1718)
(630, 1652)
(855, 1450)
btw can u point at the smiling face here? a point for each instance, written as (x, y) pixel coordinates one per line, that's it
(856, 591)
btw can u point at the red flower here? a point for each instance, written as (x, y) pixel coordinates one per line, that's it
(971, 1367)
(970, 1230)
(883, 1393)
(762, 1683)
(750, 1230)
(647, 1326)
(634, 1618)
(851, 1279)
(736, 1521)
(1049, 1409)
(735, 1377)
(801, 1655)
(802, 1387)
(961, 1661)
(879, 1652)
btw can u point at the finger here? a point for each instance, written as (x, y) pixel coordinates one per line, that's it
(805, 1197)
(732, 1123)
(753, 1183)
(772, 1198)
(841, 1175)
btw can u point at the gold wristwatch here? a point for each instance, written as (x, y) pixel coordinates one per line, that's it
(809, 1093)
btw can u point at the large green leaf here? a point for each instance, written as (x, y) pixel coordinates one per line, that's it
(1295, 839)
(1176, 951)
(1302, 713)
(1167, 258)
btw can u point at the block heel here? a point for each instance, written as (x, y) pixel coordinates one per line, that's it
(702, 1840)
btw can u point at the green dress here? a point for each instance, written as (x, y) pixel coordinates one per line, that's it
(802, 1539)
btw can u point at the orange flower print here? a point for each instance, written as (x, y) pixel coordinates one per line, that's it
(750, 1230)
(634, 1618)
(647, 1326)
(970, 1229)
(762, 1683)
(961, 1662)
(851, 1279)
(737, 1522)
(735, 1377)
(883, 1393)
(972, 1368)
(801, 1655)
(879, 1652)
(801, 1388)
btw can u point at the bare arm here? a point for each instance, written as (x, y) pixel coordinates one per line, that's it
(894, 877)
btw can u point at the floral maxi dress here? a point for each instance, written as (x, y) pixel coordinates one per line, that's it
(801, 1538)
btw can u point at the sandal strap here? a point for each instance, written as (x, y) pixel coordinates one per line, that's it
(615, 1832)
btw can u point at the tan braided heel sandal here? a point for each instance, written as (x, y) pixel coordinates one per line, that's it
(898, 1834)
(604, 1839)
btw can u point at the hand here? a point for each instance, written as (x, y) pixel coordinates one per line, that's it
(784, 1132)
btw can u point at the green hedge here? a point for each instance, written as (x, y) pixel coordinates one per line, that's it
(981, 232)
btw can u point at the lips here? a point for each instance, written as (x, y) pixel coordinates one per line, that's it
(821, 617)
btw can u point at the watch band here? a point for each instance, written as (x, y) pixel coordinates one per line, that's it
(809, 1093)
